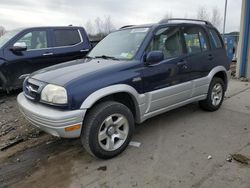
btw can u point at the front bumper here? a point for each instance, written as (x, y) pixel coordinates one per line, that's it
(50, 120)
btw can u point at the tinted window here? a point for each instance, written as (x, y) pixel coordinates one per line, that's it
(215, 38)
(66, 37)
(34, 40)
(167, 40)
(195, 40)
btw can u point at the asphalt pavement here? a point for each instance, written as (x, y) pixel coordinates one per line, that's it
(186, 147)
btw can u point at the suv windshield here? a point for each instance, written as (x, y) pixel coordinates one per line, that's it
(120, 45)
(7, 36)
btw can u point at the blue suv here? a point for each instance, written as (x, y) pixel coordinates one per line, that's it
(133, 74)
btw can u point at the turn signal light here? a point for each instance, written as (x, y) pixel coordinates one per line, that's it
(72, 128)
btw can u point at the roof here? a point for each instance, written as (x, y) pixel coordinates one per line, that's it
(50, 27)
(173, 21)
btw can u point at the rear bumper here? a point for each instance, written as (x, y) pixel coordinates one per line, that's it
(50, 120)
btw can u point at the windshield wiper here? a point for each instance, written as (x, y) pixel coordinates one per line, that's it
(88, 57)
(106, 57)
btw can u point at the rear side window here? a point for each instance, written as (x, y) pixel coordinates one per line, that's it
(66, 37)
(215, 38)
(167, 40)
(195, 40)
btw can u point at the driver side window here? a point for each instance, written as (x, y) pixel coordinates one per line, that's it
(33, 40)
(168, 41)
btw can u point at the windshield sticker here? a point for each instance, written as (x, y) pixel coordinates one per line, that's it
(126, 55)
(139, 30)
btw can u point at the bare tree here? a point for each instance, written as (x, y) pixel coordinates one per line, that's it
(216, 18)
(100, 28)
(107, 25)
(168, 15)
(99, 25)
(2, 30)
(89, 27)
(202, 13)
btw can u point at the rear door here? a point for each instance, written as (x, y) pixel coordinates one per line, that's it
(167, 81)
(217, 49)
(34, 58)
(68, 44)
(197, 47)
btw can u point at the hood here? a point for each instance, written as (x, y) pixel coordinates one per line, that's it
(63, 73)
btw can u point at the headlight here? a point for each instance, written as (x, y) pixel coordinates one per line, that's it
(54, 94)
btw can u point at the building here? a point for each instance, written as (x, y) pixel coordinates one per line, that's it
(243, 53)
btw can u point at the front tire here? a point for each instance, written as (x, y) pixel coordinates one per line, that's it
(108, 129)
(215, 95)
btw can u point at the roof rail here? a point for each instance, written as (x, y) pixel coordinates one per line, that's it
(126, 26)
(184, 19)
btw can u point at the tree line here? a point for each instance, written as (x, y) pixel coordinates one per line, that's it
(101, 27)
(203, 13)
(214, 17)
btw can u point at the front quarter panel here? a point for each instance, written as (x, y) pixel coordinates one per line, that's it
(80, 89)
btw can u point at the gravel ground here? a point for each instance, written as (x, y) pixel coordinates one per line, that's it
(16, 133)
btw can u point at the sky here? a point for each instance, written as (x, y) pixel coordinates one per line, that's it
(26, 13)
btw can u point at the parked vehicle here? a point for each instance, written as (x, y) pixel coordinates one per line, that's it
(24, 51)
(133, 74)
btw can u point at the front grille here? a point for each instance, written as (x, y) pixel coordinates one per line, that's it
(32, 89)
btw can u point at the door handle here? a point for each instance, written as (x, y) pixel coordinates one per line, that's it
(182, 64)
(210, 57)
(86, 50)
(48, 54)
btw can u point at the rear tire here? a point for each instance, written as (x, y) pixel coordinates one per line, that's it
(108, 129)
(215, 95)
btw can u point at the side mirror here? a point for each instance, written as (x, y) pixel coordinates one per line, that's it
(19, 47)
(154, 57)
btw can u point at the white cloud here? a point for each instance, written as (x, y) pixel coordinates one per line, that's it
(15, 13)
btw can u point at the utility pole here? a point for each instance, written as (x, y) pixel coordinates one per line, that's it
(225, 17)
